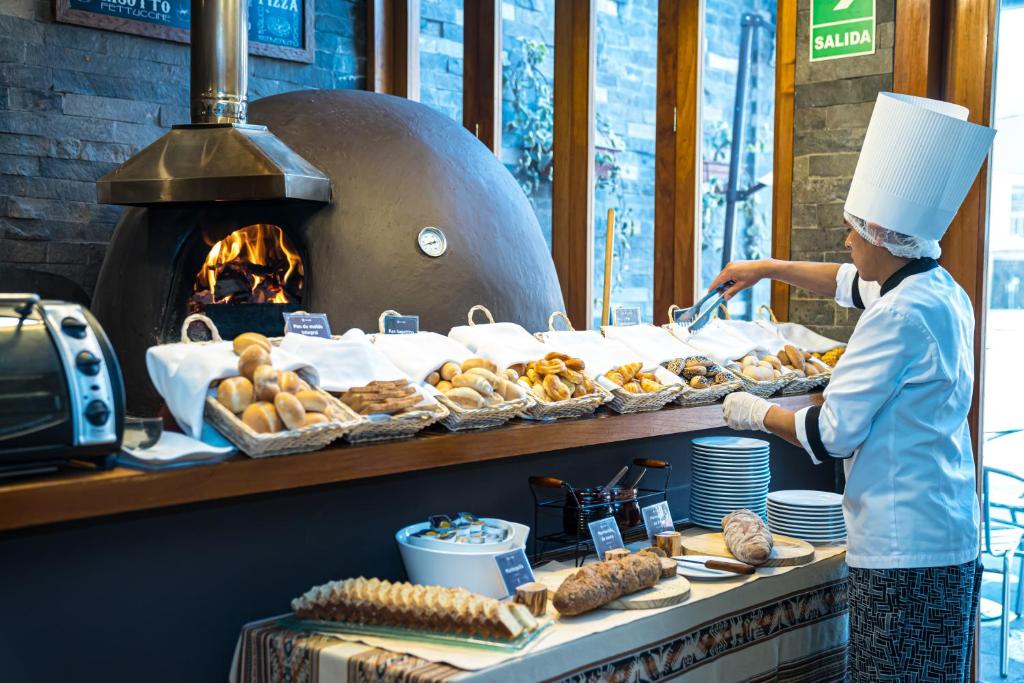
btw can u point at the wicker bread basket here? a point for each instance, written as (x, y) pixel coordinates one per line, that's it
(285, 442)
(690, 396)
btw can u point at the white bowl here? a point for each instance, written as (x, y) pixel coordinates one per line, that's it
(459, 565)
(466, 548)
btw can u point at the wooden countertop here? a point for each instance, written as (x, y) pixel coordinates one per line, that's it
(80, 495)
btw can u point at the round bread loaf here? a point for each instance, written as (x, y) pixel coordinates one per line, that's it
(289, 381)
(262, 418)
(247, 339)
(251, 358)
(290, 410)
(265, 381)
(235, 393)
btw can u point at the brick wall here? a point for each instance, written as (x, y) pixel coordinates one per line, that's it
(834, 100)
(75, 102)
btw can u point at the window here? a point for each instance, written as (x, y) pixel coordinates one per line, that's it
(737, 142)
(625, 105)
(441, 56)
(1017, 211)
(527, 107)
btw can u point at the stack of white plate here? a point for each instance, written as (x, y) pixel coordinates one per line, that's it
(814, 516)
(728, 473)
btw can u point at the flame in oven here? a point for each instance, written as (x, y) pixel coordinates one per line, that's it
(253, 265)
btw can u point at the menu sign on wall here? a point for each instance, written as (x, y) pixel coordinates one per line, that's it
(277, 28)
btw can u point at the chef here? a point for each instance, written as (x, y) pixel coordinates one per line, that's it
(895, 410)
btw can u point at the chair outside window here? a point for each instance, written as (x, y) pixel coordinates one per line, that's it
(1001, 538)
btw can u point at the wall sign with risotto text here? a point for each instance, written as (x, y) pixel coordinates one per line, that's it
(277, 28)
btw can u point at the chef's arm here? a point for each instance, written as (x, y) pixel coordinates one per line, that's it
(782, 423)
(819, 278)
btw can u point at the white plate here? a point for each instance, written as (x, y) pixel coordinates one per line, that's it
(806, 535)
(804, 499)
(733, 442)
(731, 452)
(718, 494)
(801, 517)
(729, 457)
(736, 484)
(809, 528)
(694, 571)
(729, 470)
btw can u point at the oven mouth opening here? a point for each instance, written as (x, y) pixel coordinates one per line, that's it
(256, 264)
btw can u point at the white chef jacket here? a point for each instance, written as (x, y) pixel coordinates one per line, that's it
(896, 411)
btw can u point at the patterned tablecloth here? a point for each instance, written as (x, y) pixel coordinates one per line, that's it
(785, 624)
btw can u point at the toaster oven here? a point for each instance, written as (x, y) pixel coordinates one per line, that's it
(61, 392)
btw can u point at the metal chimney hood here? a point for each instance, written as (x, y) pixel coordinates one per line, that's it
(217, 157)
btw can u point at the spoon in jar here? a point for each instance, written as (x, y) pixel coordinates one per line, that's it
(615, 479)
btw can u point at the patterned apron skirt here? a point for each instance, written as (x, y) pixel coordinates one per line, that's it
(913, 625)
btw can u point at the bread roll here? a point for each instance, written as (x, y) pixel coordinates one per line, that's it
(471, 363)
(251, 358)
(474, 382)
(491, 378)
(314, 419)
(235, 393)
(465, 397)
(247, 339)
(289, 381)
(290, 410)
(598, 584)
(313, 401)
(433, 378)
(746, 536)
(796, 358)
(262, 418)
(758, 373)
(509, 391)
(264, 379)
(775, 362)
(449, 370)
(444, 386)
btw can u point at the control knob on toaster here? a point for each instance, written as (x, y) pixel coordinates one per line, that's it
(73, 327)
(87, 363)
(97, 412)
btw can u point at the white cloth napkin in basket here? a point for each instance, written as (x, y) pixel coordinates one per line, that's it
(653, 345)
(802, 337)
(420, 354)
(504, 343)
(763, 338)
(343, 362)
(716, 341)
(182, 374)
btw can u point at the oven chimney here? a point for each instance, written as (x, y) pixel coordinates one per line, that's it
(218, 156)
(220, 61)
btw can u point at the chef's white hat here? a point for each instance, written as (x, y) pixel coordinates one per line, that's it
(919, 158)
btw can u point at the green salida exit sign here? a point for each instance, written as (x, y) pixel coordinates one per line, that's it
(842, 28)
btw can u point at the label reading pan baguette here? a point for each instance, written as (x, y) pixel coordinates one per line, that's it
(401, 324)
(515, 569)
(605, 533)
(657, 518)
(624, 316)
(307, 324)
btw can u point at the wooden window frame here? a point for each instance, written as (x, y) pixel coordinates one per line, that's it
(393, 47)
(782, 159)
(481, 72)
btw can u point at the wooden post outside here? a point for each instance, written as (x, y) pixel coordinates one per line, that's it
(677, 149)
(572, 214)
(481, 72)
(393, 47)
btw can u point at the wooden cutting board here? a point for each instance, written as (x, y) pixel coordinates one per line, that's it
(668, 592)
(786, 552)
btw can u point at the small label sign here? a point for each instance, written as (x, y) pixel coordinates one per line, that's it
(401, 324)
(624, 316)
(657, 518)
(605, 533)
(515, 569)
(307, 324)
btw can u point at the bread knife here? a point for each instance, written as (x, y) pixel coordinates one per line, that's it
(722, 565)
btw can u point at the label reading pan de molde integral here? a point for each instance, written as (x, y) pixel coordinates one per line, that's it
(401, 324)
(624, 316)
(605, 533)
(515, 569)
(307, 324)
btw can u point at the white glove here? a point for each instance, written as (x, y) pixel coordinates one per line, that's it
(745, 411)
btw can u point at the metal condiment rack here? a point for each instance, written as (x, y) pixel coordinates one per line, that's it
(580, 541)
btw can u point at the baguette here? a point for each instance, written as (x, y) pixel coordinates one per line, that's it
(747, 538)
(598, 584)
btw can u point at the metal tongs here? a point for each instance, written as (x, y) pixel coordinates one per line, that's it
(697, 316)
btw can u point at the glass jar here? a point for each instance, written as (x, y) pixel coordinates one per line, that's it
(625, 508)
(594, 504)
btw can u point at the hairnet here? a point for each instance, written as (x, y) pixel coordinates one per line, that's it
(896, 243)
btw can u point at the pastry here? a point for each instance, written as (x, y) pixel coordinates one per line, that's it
(290, 410)
(746, 536)
(510, 374)
(630, 369)
(600, 583)
(474, 382)
(449, 370)
(633, 387)
(650, 386)
(235, 393)
(576, 364)
(465, 397)
(573, 376)
(553, 366)
(264, 379)
(491, 378)
(247, 339)
(251, 358)
(262, 418)
(510, 391)
(556, 388)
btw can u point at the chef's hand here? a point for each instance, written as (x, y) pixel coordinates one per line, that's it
(744, 273)
(745, 411)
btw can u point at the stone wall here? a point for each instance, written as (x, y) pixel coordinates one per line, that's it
(75, 102)
(834, 100)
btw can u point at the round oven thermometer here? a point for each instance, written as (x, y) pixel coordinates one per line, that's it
(432, 241)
